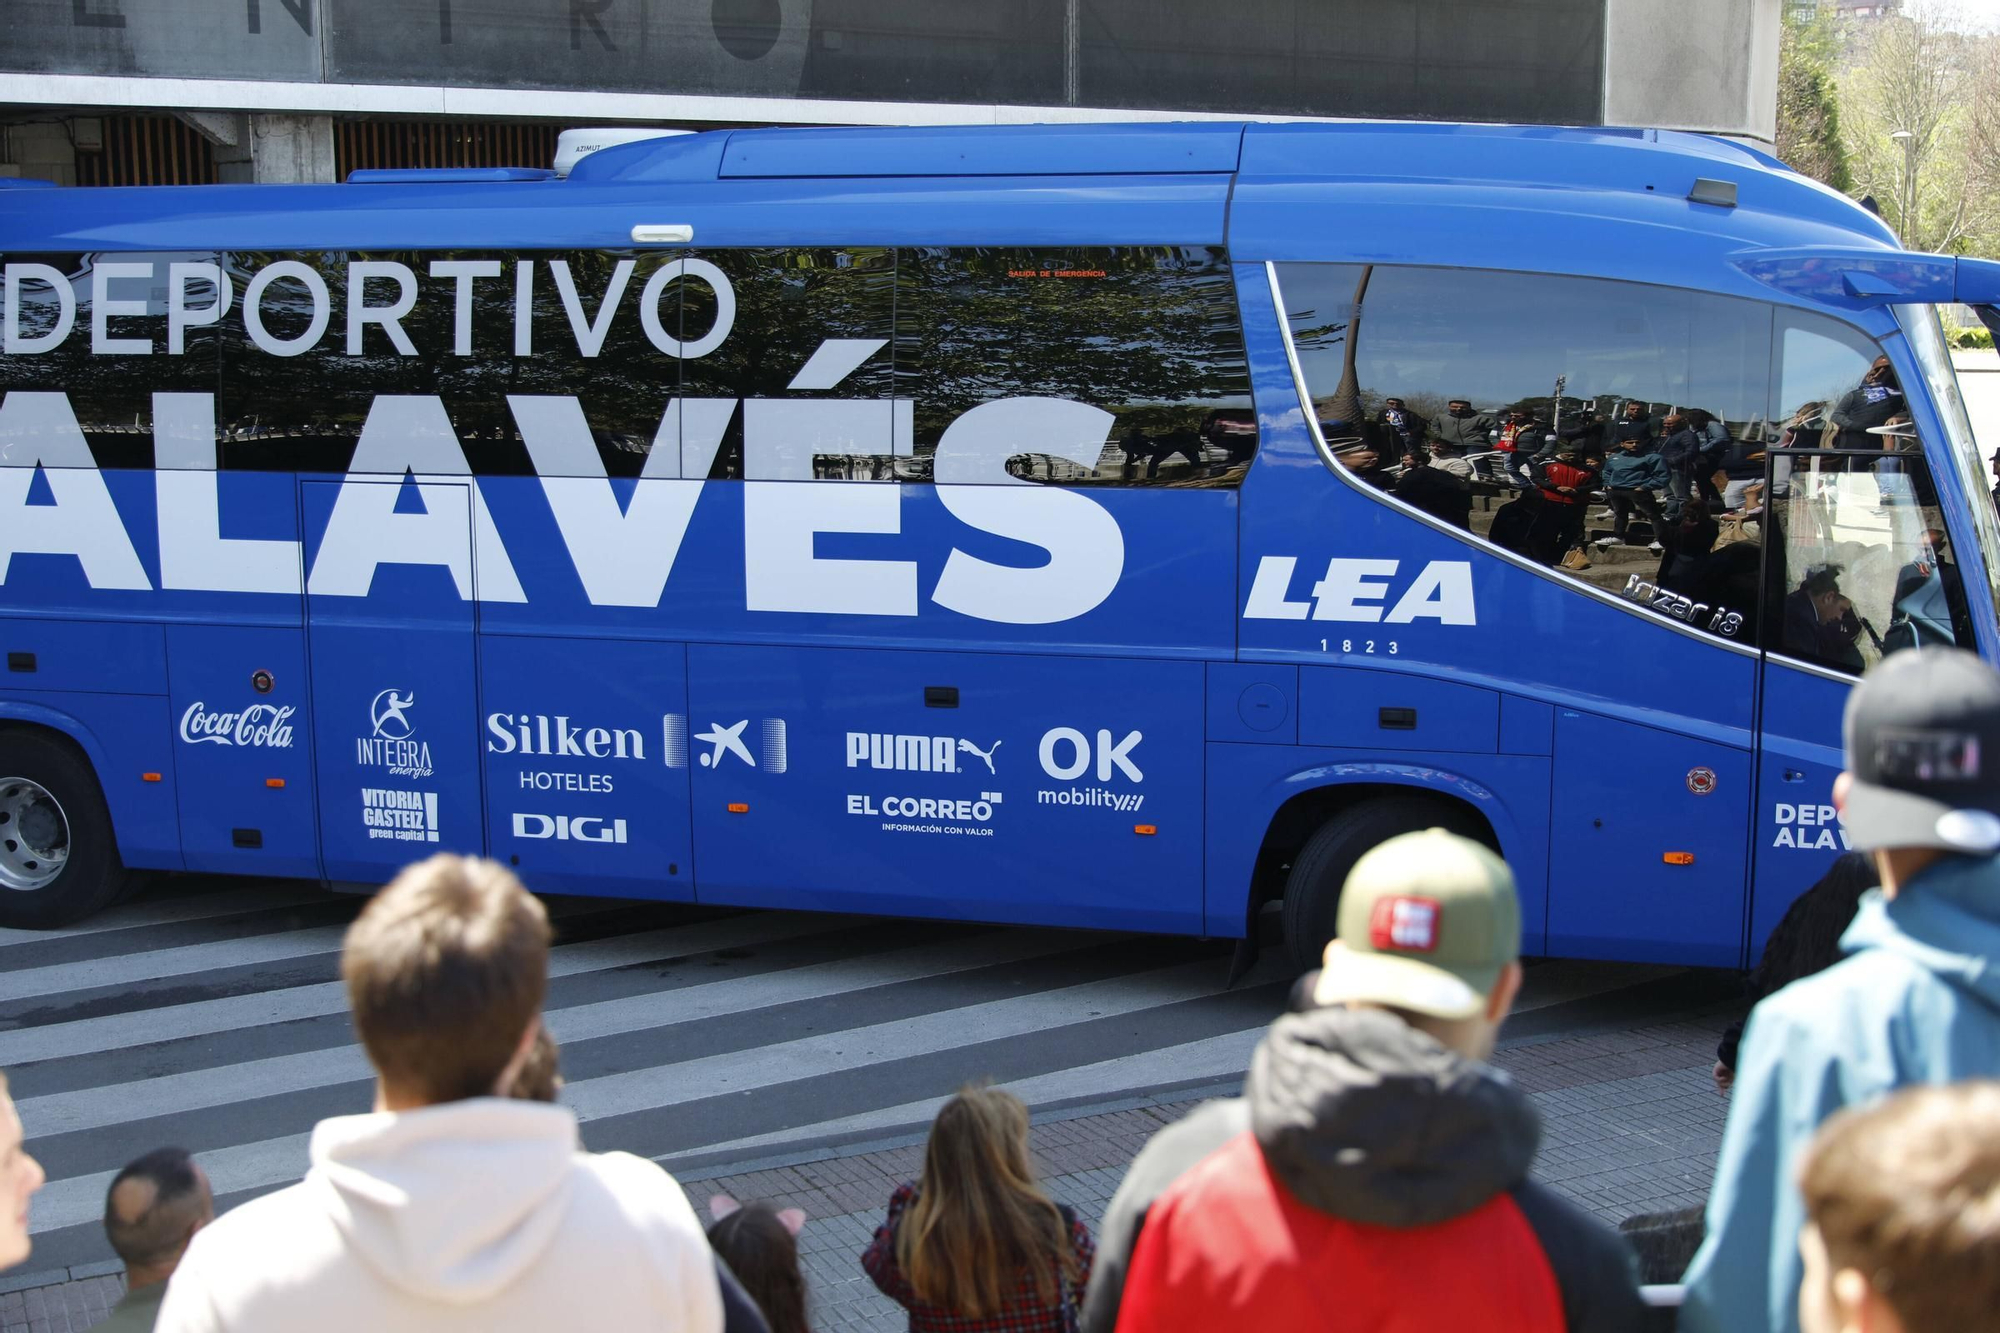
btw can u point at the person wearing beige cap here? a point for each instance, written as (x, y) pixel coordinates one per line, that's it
(1373, 1155)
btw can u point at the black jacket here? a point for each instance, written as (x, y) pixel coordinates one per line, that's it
(1362, 1117)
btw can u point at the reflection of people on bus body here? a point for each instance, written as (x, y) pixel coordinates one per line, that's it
(1634, 424)
(1877, 398)
(1437, 489)
(1450, 458)
(1681, 448)
(1462, 427)
(1892, 476)
(1519, 439)
(1633, 473)
(1820, 623)
(1405, 427)
(1355, 454)
(1566, 484)
(1929, 602)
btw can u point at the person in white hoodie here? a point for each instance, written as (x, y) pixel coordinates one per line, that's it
(451, 1207)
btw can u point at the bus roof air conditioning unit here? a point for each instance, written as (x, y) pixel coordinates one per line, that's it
(574, 145)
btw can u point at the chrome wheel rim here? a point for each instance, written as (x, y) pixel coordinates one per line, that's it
(34, 835)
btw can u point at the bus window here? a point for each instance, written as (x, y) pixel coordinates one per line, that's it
(311, 341)
(1609, 430)
(1149, 334)
(1861, 565)
(60, 341)
(806, 351)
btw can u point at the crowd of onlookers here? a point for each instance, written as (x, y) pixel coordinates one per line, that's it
(1375, 1173)
(1680, 469)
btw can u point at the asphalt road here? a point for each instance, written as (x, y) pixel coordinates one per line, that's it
(208, 1013)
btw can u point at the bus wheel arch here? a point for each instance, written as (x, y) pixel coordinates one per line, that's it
(1315, 838)
(59, 859)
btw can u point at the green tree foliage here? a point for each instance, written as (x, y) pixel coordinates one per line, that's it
(1808, 101)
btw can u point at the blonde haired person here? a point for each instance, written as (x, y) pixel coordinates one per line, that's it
(975, 1244)
(20, 1176)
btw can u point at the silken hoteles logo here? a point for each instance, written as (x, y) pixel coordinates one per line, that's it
(392, 746)
(266, 726)
(726, 741)
(545, 735)
(569, 828)
(898, 753)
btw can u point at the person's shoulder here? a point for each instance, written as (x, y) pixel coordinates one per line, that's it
(264, 1220)
(640, 1190)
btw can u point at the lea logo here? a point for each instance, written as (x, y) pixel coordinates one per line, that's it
(1360, 591)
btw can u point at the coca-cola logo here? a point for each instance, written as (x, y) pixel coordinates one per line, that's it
(260, 724)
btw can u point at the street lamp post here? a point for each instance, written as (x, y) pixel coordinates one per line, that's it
(1909, 142)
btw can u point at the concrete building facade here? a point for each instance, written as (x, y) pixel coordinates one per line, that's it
(258, 89)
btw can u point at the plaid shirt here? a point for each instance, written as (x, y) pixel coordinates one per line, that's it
(1023, 1313)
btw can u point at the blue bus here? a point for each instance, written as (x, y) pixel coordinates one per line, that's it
(1100, 526)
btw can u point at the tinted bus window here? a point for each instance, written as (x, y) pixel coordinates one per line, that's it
(1607, 429)
(95, 327)
(1861, 565)
(806, 353)
(1149, 334)
(312, 340)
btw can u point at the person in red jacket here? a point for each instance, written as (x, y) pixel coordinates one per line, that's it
(1566, 485)
(1375, 1172)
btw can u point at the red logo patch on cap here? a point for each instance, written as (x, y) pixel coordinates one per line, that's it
(1406, 924)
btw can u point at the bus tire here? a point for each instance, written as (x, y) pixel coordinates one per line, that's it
(58, 860)
(1311, 911)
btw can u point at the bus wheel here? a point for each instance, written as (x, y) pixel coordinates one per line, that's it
(1312, 889)
(58, 862)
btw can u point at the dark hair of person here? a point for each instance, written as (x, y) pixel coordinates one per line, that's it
(540, 1079)
(764, 1255)
(157, 1233)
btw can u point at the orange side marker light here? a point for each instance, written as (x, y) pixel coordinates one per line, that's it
(1146, 830)
(1679, 858)
(149, 777)
(738, 808)
(274, 782)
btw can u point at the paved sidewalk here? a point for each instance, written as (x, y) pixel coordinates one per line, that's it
(1630, 1124)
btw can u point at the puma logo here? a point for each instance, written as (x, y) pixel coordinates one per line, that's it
(986, 756)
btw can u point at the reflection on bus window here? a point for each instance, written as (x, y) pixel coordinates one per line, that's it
(1614, 431)
(1863, 567)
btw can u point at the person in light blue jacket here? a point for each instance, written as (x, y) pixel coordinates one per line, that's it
(1917, 999)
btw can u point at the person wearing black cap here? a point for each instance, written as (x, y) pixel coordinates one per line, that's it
(1917, 999)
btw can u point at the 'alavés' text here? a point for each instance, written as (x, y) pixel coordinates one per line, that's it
(623, 553)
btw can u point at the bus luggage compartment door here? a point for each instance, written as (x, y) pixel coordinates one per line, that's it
(389, 635)
(996, 787)
(1647, 844)
(585, 747)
